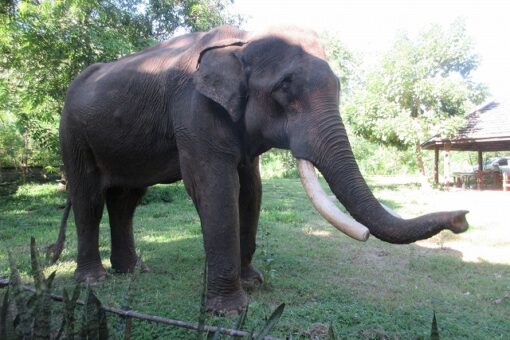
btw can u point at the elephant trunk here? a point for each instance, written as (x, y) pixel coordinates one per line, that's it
(333, 157)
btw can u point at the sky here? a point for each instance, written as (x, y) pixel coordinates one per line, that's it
(369, 27)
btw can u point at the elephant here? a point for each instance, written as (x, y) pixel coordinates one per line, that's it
(202, 108)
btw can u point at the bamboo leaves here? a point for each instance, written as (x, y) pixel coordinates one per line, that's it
(33, 313)
(68, 319)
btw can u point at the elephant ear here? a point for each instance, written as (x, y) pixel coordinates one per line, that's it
(220, 77)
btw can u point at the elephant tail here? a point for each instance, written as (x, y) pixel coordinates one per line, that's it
(54, 250)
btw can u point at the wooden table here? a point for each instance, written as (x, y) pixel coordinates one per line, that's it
(462, 178)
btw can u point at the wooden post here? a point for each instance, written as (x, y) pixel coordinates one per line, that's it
(479, 178)
(436, 165)
(446, 165)
(506, 181)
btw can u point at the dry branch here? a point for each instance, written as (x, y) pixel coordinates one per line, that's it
(151, 318)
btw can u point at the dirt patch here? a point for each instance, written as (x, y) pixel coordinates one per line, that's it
(317, 331)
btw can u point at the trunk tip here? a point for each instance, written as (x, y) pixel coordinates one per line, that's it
(459, 223)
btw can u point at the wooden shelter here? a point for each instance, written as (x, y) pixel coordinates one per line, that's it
(487, 129)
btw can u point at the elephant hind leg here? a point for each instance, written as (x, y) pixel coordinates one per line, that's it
(121, 204)
(88, 205)
(87, 197)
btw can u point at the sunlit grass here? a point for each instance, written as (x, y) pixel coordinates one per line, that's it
(367, 290)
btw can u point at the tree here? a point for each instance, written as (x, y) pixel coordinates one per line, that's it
(422, 87)
(345, 63)
(44, 44)
(166, 16)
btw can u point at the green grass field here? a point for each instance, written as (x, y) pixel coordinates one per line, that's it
(369, 290)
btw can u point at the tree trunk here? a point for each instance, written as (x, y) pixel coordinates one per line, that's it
(421, 166)
(419, 158)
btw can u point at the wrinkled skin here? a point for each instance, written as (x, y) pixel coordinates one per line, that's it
(202, 107)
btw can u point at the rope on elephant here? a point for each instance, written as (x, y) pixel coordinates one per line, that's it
(130, 314)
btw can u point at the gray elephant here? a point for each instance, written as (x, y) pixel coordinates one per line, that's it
(202, 107)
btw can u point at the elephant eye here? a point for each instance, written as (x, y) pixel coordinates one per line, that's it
(282, 93)
(284, 84)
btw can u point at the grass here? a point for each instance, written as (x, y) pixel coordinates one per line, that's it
(369, 290)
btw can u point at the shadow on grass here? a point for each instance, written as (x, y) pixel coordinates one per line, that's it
(10, 187)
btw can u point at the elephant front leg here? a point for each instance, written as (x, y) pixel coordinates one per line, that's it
(249, 211)
(214, 187)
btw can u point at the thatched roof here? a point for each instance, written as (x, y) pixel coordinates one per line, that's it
(487, 129)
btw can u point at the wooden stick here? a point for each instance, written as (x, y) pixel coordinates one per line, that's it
(141, 316)
(127, 331)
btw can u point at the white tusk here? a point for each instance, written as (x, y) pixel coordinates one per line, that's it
(325, 207)
(391, 211)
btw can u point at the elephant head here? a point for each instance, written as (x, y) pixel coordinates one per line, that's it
(280, 90)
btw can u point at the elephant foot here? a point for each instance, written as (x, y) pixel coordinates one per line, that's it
(231, 304)
(129, 266)
(251, 277)
(90, 274)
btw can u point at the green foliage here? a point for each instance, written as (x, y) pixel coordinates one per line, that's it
(6, 319)
(12, 151)
(157, 194)
(45, 44)
(203, 300)
(166, 17)
(67, 328)
(93, 324)
(344, 63)
(376, 159)
(33, 312)
(202, 15)
(271, 322)
(268, 259)
(372, 158)
(7, 7)
(278, 163)
(422, 87)
(41, 300)
(242, 318)
(23, 319)
(124, 324)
